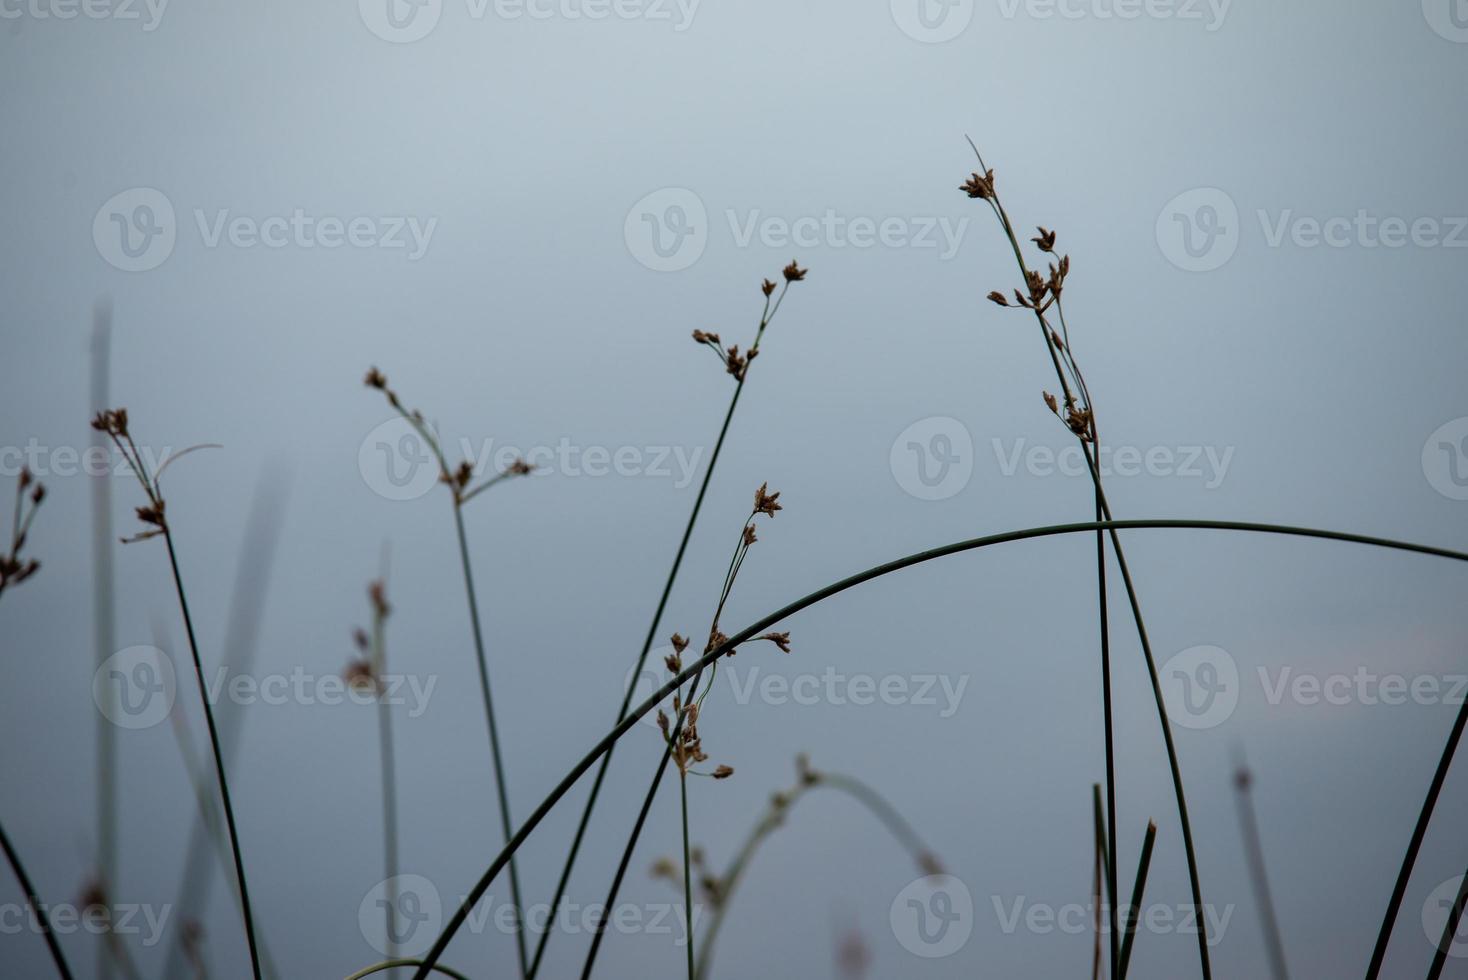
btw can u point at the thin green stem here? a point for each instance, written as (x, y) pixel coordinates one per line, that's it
(234, 839)
(1134, 910)
(652, 630)
(1450, 930)
(601, 748)
(34, 901)
(1088, 442)
(494, 738)
(1419, 832)
(687, 873)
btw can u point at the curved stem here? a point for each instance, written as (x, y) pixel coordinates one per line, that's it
(604, 745)
(34, 901)
(885, 813)
(234, 837)
(494, 738)
(390, 964)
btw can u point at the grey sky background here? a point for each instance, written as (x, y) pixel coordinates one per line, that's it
(1321, 373)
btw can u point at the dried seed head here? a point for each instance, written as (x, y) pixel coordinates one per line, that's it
(673, 662)
(766, 502)
(716, 640)
(979, 187)
(521, 468)
(1078, 420)
(25, 477)
(38, 494)
(749, 535)
(663, 722)
(679, 642)
(734, 362)
(723, 772)
(794, 273)
(375, 379)
(997, 297)
(664, 867)
(1051, 402)
(1045, 240)
(152, 514)
(781, 640)
(377, 593)
(360, 676)
(705, 338)
(767, 287)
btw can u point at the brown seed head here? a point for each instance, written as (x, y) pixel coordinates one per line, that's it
(723, 772)
(979, 187)
(781, 640)
(794, 273)
(766, 502)
(375, 379)
(767, 287)
(1045, 240)
(997, 297)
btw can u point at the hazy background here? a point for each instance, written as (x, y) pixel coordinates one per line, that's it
(533, 317)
